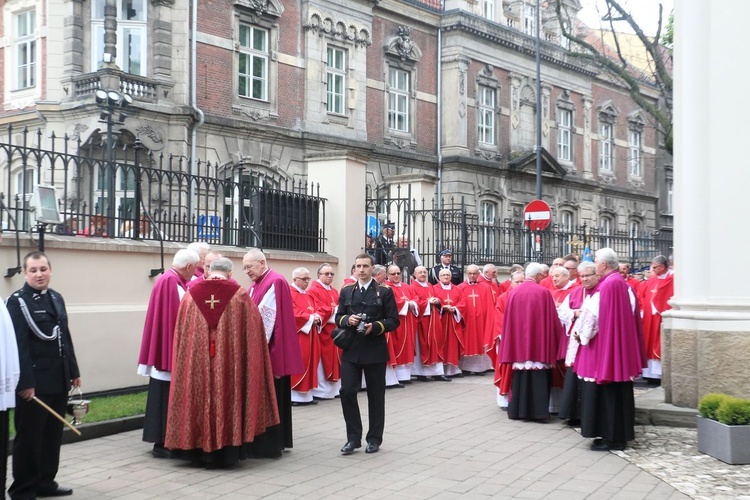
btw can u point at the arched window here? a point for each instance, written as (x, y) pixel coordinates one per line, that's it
(606, 229)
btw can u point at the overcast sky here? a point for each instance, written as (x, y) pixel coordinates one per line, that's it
(645, 12)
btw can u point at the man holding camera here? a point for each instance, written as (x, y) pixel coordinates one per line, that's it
(370, 310)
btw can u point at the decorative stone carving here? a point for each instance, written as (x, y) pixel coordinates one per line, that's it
(78, 129)
(261, 7)
(461, 81)
(403, 46)
(164, 3)
(338, 29)
(487, 70)
(150, 132)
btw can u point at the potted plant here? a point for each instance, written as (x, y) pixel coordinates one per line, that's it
(724, 428)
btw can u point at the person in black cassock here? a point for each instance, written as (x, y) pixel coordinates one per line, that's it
(446, 259)
(48, 369)
(384, 244)
(368, 353)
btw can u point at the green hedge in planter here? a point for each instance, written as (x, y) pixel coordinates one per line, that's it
(725, 409)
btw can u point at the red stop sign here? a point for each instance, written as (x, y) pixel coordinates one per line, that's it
(537, 215)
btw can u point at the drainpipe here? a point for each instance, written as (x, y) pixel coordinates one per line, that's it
(194, 102)
(439, 130)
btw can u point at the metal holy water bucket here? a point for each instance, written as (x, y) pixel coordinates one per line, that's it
(77, 406)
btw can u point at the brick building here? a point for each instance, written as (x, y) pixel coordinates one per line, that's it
(439, 95)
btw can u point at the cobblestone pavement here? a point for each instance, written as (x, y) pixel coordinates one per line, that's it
(442, 441)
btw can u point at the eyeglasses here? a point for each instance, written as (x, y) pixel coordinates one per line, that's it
(303, 279)
(586, 275)
(570, 268)
(393, 274)
(328, 274)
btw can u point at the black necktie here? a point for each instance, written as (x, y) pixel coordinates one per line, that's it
(362, 290)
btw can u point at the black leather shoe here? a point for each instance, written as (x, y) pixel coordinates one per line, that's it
(421, 378)
(160, 451)
(397, 386)
(57, 492)
(441, 378)
(372, 447)
(350, 446)
(600, 445)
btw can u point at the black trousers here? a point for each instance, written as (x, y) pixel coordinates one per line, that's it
(157, 403)
(351, 383)
(3, 450)
(608, 411)
(36, 447)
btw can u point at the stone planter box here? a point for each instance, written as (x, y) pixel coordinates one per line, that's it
(728, 443)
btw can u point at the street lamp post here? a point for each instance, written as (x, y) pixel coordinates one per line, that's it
(110, 102)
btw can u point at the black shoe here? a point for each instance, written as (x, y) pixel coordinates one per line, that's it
(159, 451)
(372, 447)
(478, 374)
(441, 378)
(574, 422)
(421, 378)
(404, 382)
(397, 386)
(457, 375)
(304, 403)
(57, 492)
(616, 445)
(350, 446)
(600, 445)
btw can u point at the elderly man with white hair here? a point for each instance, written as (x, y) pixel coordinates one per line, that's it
(531, 333)
(155, 359)
(309, 322)
(201, 248)
(611, 356)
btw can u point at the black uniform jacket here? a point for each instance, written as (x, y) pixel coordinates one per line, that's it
(379, 305)
(457, 276)
(46, 365)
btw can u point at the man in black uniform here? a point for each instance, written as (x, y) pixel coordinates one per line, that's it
(384, 244)
(48, 368)
(368, 353)
(446, 257)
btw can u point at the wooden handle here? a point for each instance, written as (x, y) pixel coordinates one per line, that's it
(56, 415)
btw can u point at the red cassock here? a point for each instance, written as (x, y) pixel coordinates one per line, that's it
(403, 338)
(451, 343)
(222, 391)
(634, 284)
(547, 283)
(504, 286)
(309, 343)
(429, 326)
(478, 311)
(326, 301)
(503, 371)
(558, 374)
(494, 286)
(656, 293)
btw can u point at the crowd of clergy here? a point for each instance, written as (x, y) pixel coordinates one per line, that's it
(568, 339)
(225, 366)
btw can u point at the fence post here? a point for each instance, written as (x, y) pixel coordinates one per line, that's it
(341, 176)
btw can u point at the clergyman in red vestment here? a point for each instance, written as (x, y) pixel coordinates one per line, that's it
(326, 301)
(658, 291)
(403, 338)
(427, 361)
(478, 311)
(308, 322)
(452, 339)
(222, 391)
(503, 372)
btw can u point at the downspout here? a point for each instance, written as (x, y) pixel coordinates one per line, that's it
(194, 102)
(439, 130)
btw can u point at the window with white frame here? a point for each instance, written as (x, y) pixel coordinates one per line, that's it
(529, 20)
(25, 182)
(486, 115)
(488, 9)
(564, 134)
(25, 50)
(253, 62)
(635, 153)
(669, 196)
(487, 213)
(123, 196)
(399, 87)
(567, 221)
(635, 234)
(606, 227)
(335, 80)
(605, 146)
(132, 35)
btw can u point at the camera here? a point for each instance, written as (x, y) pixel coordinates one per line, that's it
(361, 326)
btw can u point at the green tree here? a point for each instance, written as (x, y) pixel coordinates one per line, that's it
(617, 64)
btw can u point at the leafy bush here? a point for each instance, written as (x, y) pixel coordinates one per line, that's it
(709, 404)
(734, 411)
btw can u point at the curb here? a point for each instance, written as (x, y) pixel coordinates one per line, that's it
(101, 429)
(650, 409)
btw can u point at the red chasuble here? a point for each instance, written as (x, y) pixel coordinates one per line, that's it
(222, 391)
(309, 344)
(403, 338)
(451, 342)
(655, 296)
(326, 301)
(429, 327)
(478, 310)
(503, 287)
(547, 283)
(158, 330)
(559, 294)
(531, 327)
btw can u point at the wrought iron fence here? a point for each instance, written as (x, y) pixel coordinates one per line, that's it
(428, 228)
(130, 193)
